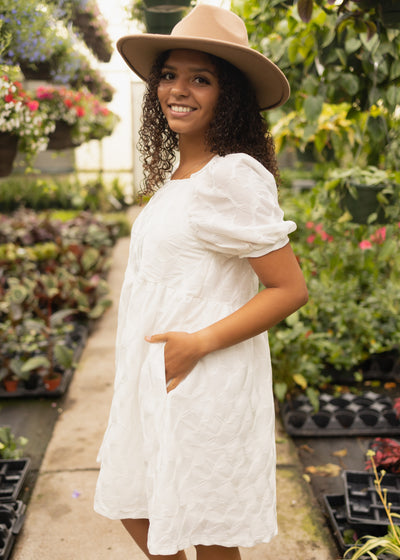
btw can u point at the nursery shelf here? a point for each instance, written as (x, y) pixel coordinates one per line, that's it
(347, 415)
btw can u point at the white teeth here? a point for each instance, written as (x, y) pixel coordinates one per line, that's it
(180, 109)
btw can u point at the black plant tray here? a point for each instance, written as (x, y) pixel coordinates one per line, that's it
(12, 517)
(347, 415)
(39, 390)
(335, 506)
(363, 504)
(12, 476)
(384, 366)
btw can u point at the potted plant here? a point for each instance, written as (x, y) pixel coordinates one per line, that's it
(79, 116)
(368, 194)
(158, 16)
(24, 125)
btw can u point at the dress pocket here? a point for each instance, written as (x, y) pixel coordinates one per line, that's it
(152, 378)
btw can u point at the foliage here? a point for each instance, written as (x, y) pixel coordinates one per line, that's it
(335, 64)
(352, 273)
(10, 446)
(371, 546)
(386, 455)
(53, 192)
(22, 116)
(51, 277)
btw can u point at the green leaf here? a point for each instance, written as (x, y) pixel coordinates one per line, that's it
(280, 389)
(349, 82)
(36, 362)
(313, 107)
(64, 356)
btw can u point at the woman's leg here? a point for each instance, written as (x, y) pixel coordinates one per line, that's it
(138, 529)
(217, 553)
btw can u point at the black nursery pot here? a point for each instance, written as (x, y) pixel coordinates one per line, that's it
(365, 204)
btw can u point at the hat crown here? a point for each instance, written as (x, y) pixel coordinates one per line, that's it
(209, 22)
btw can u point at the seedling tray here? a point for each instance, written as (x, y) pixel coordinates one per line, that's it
(335, 506)
(363, 504)
(12, 477)
(347, 415)
(12, 517)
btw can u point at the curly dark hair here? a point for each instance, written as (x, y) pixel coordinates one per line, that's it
(237, 125)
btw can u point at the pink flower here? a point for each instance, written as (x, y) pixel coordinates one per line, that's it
(310, 225)
(9, 97)
(311, 239)
(318, 228)
(33, 105)
(379, 236)
(365, 244)
(80, 111)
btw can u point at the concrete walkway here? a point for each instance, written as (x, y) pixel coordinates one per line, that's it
(61, 524)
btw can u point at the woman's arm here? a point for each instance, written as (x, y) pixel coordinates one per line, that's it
(285, 292)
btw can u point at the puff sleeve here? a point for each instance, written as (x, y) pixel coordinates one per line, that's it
(235, 208)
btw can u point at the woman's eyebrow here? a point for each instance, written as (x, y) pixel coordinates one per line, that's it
(192, 69)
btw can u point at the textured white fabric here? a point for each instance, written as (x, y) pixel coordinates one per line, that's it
(198, 462)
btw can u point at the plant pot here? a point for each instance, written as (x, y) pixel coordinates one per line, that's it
(390, 13)
(8, 151)
(365, 204)
(32, 383)
(37, 70)
(161, 22)
(61, 138)
(10, 385)
(53, 382)
(166, 5)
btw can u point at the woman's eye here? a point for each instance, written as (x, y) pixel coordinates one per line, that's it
(201, 80)
(167, 76)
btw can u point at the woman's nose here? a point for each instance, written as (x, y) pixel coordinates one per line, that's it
(179, 88)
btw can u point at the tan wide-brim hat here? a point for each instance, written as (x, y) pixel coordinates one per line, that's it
(214, 31)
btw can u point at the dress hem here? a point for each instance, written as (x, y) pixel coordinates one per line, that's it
(204, 541)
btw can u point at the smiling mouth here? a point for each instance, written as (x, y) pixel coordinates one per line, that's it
(181, 109)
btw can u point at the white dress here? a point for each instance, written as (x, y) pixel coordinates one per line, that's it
(198, 462)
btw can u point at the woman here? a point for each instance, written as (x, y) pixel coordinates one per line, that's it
(188, 457)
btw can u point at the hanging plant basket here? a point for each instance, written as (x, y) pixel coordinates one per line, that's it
(37, 70)
(166, 5)
(8, 151)
(161, 22)
(61, 138)
(365, 204)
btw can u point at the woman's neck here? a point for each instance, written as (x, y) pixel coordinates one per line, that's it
(192, 157)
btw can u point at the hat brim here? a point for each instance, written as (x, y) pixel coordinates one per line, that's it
(270, 84)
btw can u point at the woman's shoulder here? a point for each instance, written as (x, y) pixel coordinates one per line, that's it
(235, 164)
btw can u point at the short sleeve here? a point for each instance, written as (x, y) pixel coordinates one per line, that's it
(235, 208)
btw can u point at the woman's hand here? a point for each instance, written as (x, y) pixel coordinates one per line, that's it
(182, 351)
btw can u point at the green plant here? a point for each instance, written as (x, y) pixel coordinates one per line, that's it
(10, 446)
(333, 60)
(352, 273)
(375, 546)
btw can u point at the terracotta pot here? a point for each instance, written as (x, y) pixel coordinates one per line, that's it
(51, 383)
(10, 385)
(8, 151)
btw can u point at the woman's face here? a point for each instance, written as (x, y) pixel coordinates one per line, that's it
(188, 92)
